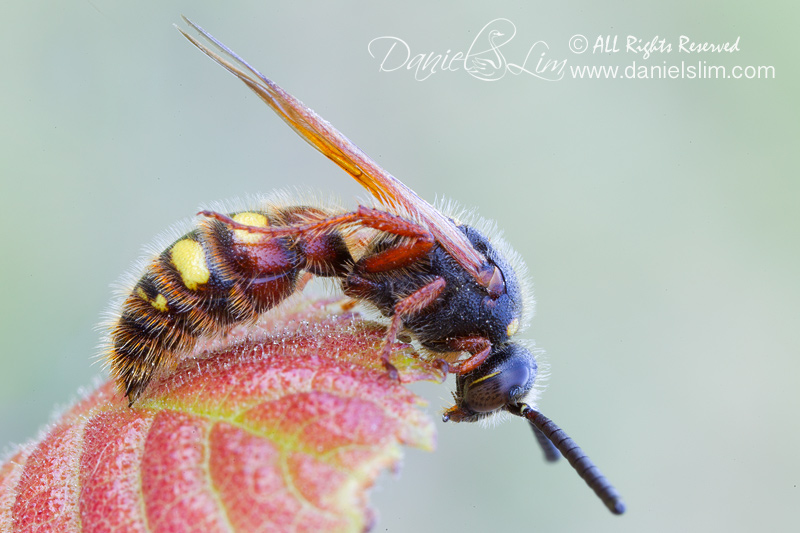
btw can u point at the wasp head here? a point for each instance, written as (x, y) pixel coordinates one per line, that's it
(502, 381)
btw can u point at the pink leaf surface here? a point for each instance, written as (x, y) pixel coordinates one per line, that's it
(280, 426)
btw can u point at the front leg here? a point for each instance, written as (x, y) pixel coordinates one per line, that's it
(479, 349)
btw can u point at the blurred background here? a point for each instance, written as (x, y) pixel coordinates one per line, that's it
(659, 219)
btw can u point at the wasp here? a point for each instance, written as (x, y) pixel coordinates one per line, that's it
(443, 283)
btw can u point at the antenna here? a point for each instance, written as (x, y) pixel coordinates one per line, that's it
(551, 453)
(577, 458)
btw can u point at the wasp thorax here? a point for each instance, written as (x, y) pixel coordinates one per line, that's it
(504, 379)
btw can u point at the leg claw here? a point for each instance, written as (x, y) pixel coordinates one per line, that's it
(391, 371)
(442, 365)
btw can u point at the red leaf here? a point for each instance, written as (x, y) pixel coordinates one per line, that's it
(281, 426)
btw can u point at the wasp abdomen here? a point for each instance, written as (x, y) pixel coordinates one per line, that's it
(208, 280)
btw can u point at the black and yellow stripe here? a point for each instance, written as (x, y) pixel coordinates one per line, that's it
(206, 281)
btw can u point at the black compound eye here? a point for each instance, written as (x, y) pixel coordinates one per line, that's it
(505, 378)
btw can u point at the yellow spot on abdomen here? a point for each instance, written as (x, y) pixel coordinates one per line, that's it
(159, 303)
(251, 219)
(189, 258)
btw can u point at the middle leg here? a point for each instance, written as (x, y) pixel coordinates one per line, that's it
(413, 303)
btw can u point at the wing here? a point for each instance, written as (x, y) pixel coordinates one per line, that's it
(324, 137)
